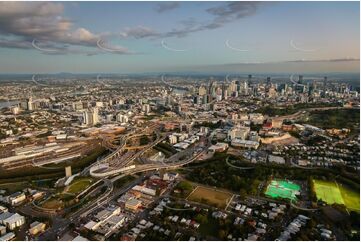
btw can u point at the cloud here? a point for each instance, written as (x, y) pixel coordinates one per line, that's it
(50, 48)
(16, 44)
(44, 47)
(327, 60)
(104, 46)
(347, 59)
(139, 32)
(166, 6)
(220, 16)
(23, 22)
(24, 9)
(233, 10)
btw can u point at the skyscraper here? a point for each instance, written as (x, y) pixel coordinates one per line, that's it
(30, 104)
(202, 91)
(324, 86)
(268, 81)
(249, 79)
(300, 79)
(122, 118)
(90, 117)
(238, 84)
(146, 108)
(268, 84)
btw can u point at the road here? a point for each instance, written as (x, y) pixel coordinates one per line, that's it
(115, 156)
(238, 167)
(149, 167)
(60, 225)
(120, 166)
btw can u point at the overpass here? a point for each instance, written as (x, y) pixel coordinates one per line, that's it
(103, 170)
(116, 154)
(123, 142)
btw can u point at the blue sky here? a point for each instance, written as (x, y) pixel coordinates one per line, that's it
(126, 37)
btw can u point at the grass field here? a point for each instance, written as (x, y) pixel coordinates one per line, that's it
(210, 196)
(79, 185)
(282, 189)
(53, 203)
(14, 186)
(337, 118)
(351, 198)
(331, 193)
(68, 194)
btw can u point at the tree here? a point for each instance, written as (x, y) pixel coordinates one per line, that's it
(355, 219)
(144, 140)
(185, 186)
(222, 234)
(242, 194)
(202, 219)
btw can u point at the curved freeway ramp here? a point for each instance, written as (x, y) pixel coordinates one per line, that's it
(104, 170)
(303, 209)
(122, 146)
(238, 167)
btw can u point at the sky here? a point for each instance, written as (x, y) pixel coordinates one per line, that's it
(138, 37)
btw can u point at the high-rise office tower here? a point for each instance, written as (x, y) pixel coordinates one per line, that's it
(245, 88)
(29, 104)
(95, 116)
(249, 79)
(205, 99)
(91, 117)
(300, 79)
(268, 84)
(238, 84)
(122, 118)
(146, 108)
(202, 90)
(324, 86)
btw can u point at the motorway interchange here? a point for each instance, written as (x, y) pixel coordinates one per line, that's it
(115, 166)
(115, 163)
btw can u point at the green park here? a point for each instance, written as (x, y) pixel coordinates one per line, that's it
(333, 192)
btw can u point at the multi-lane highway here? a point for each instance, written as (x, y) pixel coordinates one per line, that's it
(61, 225)
(118, 161)
(104, 172)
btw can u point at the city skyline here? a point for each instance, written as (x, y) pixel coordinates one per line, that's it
(140, 37)
(180, 121)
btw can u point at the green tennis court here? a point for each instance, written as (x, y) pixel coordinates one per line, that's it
(282, 189)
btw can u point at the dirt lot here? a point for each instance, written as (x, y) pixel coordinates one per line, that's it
(285, 139)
